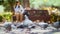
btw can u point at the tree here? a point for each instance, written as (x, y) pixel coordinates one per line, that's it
(8, 4)
(1, 2)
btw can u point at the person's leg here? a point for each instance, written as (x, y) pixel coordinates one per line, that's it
(21, 17)
(17, 17)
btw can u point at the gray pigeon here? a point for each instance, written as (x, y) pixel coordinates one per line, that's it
(27, 22)
(56, 25)
(43, 25)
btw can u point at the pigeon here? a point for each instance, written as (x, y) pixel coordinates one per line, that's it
(43, 25)
(27, 22)
(7, 26)
(20, 25)
(56, 25)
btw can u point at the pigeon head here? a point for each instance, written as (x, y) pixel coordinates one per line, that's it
(26, 17)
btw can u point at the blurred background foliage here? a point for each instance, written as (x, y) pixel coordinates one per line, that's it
(8, 4)
(38, 3)
(6, 15)
(33, 3)
(7, 9)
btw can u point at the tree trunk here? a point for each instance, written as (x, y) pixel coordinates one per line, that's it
(26, 3)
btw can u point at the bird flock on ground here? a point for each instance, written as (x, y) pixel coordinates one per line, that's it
(27, 23)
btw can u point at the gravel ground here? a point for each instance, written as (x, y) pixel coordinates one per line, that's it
(37, 30)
